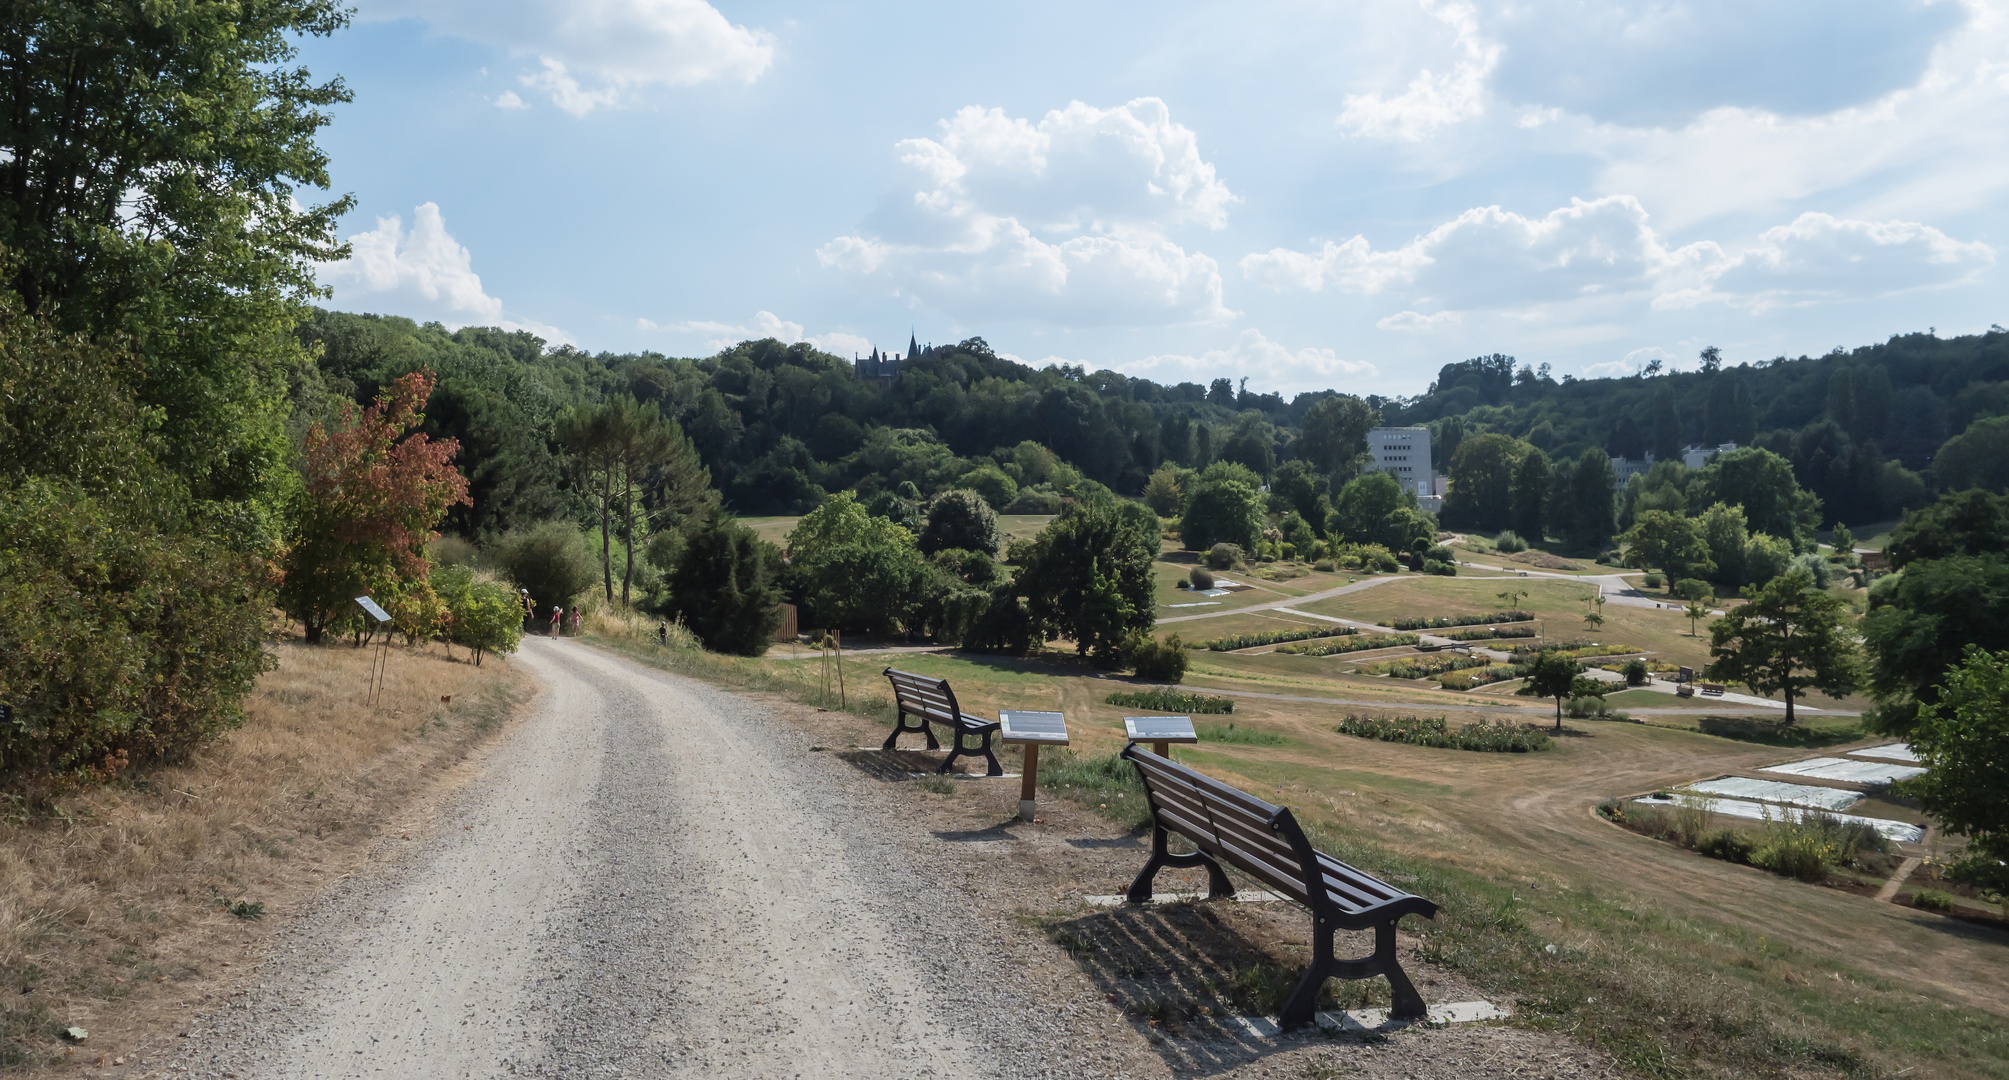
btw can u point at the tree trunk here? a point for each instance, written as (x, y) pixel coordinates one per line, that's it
(1559, 714)
(606, 537)
(1789, 704)
(627, 530)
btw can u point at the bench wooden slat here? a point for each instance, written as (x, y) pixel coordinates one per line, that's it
(930, 701)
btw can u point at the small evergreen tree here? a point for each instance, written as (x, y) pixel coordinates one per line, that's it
(724, 587)
(962, 520)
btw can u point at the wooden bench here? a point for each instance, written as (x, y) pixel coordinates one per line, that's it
(928, 700)
(1266, 843)
(1711, 689)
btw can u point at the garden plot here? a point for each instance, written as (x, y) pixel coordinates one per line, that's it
(1899, 831)
(1896, 751)
(1807, 795)
(1847, 770)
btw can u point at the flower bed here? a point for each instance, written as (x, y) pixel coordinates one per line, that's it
(1463, 620)
(1421, 667)
(1172, 701)
(1271, 637)
(1500, 738)
(1487, 633)
(1357, 644)
(1471, 680)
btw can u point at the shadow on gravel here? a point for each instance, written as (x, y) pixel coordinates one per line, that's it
(1182, 974)
(897, 765)
(1134, 840)
(1000, 831)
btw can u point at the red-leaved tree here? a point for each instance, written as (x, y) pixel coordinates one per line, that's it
(371, 501)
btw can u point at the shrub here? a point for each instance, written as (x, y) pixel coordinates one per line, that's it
(1034, 501)
(1326, 566)
(1158, 661)
(1347, 644)
(1201, 577)
(1441, 569)
(1487, 633)
(483, 615)
(1932, 900)
(1653, 581)
(452, 550)
(1509, 542)
(1434, 732)
(1271, 637)
(1692, 589)
(1635, 672)
(1730, 845)
(1229, 733)
(550, 559)
(1172, 701)
(1795, 852)
(1224, 556)
(124, 643)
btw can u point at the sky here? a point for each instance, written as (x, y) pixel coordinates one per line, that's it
(1305, 195)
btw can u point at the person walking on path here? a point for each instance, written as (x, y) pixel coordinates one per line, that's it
(557, 619)
(575, 622)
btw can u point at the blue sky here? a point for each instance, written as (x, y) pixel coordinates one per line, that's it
(1305, 195)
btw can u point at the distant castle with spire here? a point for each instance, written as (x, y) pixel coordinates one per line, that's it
(885, 366)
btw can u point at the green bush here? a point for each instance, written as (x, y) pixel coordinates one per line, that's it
(125, 643)
(1201, 577)
(1441, 569)
(550, 559)
(1488, 633)
(1653, 581)
(1272, 637)
(1635, 672)
(1796, 853)
(1509, 542)
(1730, 845)
(1171, 701)
(1692, 589)
(1326, 566)
(1386, 563)
(1158, 661)
(484, 615)
(724, 587)
(1932, 900)
(1433, 731)
(1420, 667)
(1224, 557)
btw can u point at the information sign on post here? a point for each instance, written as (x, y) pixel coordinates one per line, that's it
(1031, 730)
(1160, 731)
(380, 663)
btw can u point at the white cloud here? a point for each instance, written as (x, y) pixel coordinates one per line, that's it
(1411, 320)
(507, 101)
(1264, 361)
(764, 324)
(1629, 364)
(1432, 100)
(1820, 258)
(1593, 251)
(1067, 220)
(424, 274)
(596, 54)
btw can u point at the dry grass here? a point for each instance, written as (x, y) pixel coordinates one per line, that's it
(116, 904)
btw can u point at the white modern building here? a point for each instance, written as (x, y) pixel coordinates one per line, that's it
(1404, 453)
(1692, 457)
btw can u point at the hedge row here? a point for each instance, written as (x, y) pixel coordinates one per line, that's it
(1172, 701)
(1463, 620)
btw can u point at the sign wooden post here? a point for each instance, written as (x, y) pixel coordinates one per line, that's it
(1031, 730)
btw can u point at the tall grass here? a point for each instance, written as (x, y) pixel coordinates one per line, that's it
(1171, 701)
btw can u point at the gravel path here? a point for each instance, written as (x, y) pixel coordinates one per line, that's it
(648, 878)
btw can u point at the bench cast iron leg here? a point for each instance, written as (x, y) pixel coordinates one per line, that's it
(957, 749)
(900, 728)
(1218, 885)
(1302, 1008)
(996, 769)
